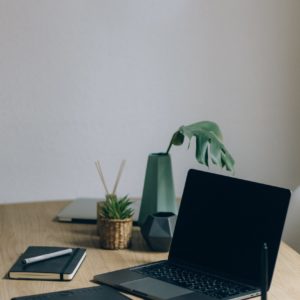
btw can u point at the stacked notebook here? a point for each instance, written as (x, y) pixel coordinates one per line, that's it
(63, 267)
(56, 268)
(92, 293)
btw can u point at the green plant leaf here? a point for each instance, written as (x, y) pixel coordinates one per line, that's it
(178, 138)
(114, 208)
(209, 145)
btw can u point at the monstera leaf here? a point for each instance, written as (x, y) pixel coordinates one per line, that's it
(209, 145)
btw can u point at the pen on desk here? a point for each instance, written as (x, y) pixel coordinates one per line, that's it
(264, 272)
(42, 257)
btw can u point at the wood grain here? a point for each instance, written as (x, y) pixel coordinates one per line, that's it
(27, 224)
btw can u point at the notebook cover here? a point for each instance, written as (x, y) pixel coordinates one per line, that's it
(92, 293)
(62, 265)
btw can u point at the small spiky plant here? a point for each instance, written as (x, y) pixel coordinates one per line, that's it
(116, 208)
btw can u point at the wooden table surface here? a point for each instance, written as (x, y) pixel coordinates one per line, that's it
(27, 224)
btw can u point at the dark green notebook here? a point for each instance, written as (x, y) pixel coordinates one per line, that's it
(92, 293)
(57, 268)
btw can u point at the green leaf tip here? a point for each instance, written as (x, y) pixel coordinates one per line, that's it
(116, 208)
(209, 144)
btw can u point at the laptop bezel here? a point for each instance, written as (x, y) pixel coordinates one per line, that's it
(173, 259)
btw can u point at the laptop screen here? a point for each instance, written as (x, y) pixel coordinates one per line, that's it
(223, 223)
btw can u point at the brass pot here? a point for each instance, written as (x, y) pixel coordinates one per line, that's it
(114, 233)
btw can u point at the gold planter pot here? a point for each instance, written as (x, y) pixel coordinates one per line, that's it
(114, 233)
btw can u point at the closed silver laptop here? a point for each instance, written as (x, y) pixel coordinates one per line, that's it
(84, 210)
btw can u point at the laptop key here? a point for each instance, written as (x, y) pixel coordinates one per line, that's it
(193, 280)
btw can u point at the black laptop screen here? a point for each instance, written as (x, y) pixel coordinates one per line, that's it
(223, 222)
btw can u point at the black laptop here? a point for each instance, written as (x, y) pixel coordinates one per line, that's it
(216, 249)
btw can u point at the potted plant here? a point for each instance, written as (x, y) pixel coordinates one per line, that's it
(115, 222)
(114, 216)
(158, 193)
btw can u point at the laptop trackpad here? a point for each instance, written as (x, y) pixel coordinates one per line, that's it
(155, 288)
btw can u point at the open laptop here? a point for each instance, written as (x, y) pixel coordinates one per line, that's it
(216, 249)
(84, 210)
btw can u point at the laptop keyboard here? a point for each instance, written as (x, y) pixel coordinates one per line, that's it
(193, 280)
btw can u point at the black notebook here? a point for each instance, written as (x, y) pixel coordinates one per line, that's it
(92, 293)
(56, 268)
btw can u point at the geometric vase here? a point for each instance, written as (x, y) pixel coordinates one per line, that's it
(158, 193)
(158, 230)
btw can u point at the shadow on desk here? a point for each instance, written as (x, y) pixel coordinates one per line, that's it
(87, 237)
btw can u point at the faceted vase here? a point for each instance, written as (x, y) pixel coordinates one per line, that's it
(158, 230)
(158, 193)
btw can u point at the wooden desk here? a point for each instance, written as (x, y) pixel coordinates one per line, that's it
(32, 224)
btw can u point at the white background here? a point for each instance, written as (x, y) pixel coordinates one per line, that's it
(107, 79)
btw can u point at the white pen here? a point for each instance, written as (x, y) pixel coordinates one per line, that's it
(34, 259)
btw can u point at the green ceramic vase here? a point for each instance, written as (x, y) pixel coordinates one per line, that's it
(158, 193)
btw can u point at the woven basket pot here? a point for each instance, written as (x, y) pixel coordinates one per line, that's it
(114, 234)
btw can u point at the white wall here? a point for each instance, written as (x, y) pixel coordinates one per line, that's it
(107, 79)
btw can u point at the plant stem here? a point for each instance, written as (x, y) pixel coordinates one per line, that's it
(170, 144)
